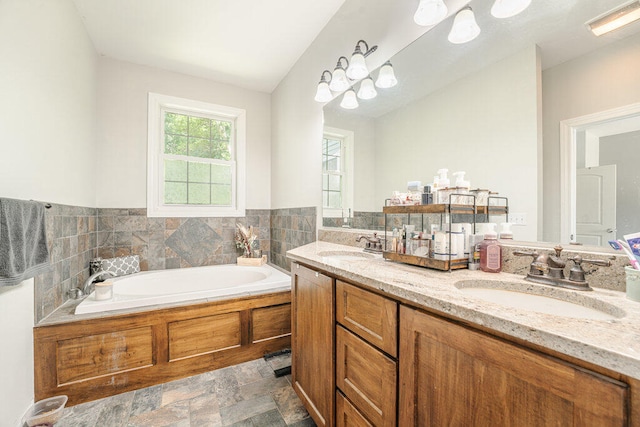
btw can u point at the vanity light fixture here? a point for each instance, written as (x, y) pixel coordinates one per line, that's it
(357, 68)
(509, 8)
(349, 100)
(430, 12)
(464, 27)
(339, 81)
(616, 18)
(367, 89)
(386, 76)
(323, 93)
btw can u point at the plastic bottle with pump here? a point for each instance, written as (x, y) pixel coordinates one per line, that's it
(505, 231)
(490, 251)
(462, 187)
(443, 186)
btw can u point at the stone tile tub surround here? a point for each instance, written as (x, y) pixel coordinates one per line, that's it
(290, 228)
(76, 234)
(71, 236)
(612, 277)
(611, 344)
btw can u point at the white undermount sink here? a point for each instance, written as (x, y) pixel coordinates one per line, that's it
(532, 298)
(346, 255)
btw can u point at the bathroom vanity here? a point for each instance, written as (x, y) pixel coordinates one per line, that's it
(377, 343)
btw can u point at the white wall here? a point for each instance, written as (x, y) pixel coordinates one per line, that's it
(122, 110)
(605, 79)
(484, 124)
(47, 127)
(297, 118)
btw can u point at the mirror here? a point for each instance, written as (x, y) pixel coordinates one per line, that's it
(491, 107)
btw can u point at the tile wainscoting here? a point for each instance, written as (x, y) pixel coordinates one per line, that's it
(290, 228)
(77, 234)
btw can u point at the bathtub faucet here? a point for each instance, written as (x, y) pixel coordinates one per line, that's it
(91, 279)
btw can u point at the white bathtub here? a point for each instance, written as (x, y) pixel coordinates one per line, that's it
(184, 284)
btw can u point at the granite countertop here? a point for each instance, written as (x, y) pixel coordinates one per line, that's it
(612, 344)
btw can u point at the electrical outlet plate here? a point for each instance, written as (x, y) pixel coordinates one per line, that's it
(518, 218)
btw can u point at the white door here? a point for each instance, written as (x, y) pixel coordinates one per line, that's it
(596, 205)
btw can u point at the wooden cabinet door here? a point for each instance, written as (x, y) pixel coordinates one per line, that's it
(312, 363)
(454, 376)
(371, 316)
(367, 377)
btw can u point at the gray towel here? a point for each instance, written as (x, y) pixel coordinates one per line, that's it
(23, 242)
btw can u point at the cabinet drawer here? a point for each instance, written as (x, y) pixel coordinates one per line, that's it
(371, 316)
(347, 415)
(367, 377)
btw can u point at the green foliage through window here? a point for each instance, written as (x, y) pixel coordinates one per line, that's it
(190, 181)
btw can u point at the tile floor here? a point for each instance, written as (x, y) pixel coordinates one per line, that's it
(245, 395)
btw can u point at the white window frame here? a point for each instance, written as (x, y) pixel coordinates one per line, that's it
(158, 106)
(347, 138)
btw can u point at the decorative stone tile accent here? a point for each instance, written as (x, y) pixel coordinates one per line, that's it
(290, 228)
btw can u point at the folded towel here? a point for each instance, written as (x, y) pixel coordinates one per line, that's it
(121, 266)
(23, 242)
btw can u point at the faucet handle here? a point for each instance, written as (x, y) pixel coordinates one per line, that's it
(576, 273)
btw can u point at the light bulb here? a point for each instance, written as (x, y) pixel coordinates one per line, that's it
(367, 89)
(323, 94)
(357, 66)
(464, 27)
(430, 12)
(339, 81)
(509, 8)
(386, 76)
(349, 100)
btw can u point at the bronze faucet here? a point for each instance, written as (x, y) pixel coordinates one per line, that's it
(549, 269)
(374, 244)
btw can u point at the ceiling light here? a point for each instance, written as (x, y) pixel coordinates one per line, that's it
(430, 12)
(616, 18)
(323, 94)
(367, 89)
(349, 100)
(464, 27)
(339, 81)
(509, 8)
(357, 68)
(386, 76)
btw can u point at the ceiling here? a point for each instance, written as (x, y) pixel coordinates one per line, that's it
(248, 43)
(432, 62)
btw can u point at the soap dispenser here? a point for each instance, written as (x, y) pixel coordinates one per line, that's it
(505, 231)
(443, 186)
(490, 251)
(462, 187)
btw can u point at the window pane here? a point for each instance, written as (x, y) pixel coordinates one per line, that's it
(199, 147)
(335, 200)
(200, 127)
(332, 164)
(333, 147)
(220, 130)
(325, 182)
(199, 172)
(221, 174)
(176, 124)
(335, 182)
(221, 150)
(175, 144)
(325, 199)
(199, 194)
(175, 193)
(175, 170)
(221, 195)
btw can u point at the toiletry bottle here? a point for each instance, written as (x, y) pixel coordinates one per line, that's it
(463, 188)
(490, 252)
(505, 231)
(474, 251)
(443, 186)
